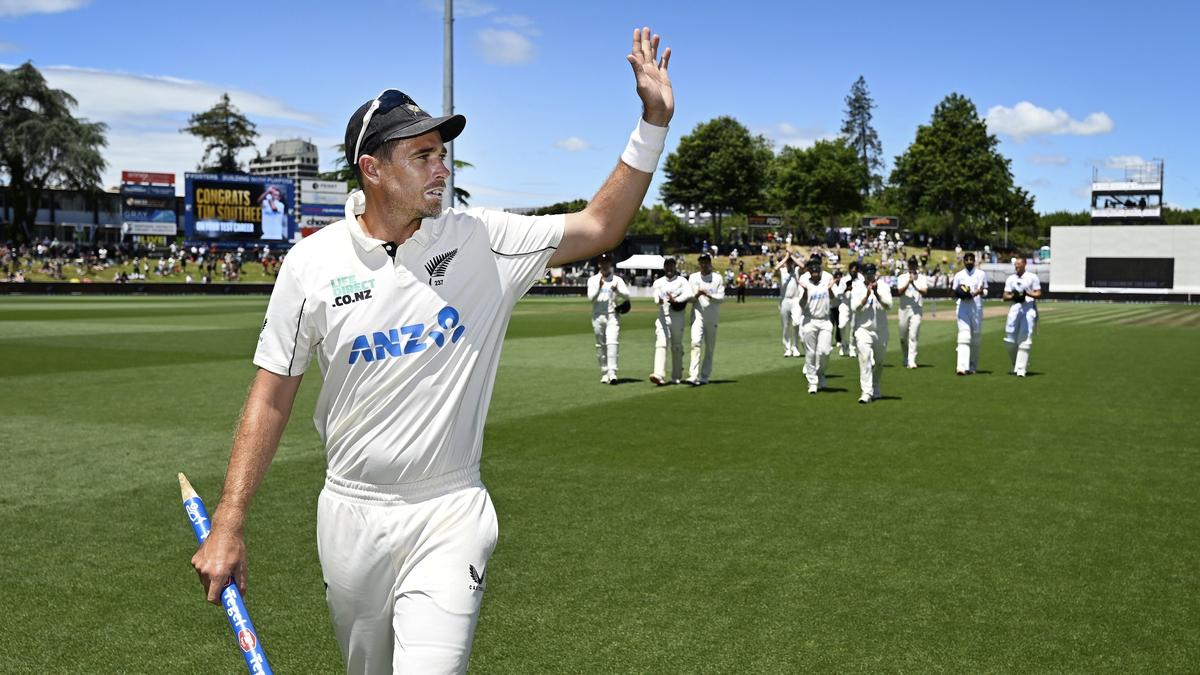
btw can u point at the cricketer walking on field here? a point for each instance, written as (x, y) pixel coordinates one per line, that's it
(404, 304)
(842, 291)
(708, 291)
(970, 287)
(671, 293)
(815, 327)
(606, 291)
(1022, 289)
(912, 287)
(871, 301)
(789, 299)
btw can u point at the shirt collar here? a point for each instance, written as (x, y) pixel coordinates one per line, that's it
(356, 204)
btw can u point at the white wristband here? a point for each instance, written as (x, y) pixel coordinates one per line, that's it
(645, 146)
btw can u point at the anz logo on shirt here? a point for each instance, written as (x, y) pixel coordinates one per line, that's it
(410, 339)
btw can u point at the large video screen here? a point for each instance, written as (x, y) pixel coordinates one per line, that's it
(238, 208)
(1130, 273)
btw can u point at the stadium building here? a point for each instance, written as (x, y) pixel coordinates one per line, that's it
(293, 158)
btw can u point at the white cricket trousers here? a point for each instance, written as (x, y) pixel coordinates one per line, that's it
(910, 331)
(818, 344)
(669, 329)
(1018, 334)
(871, 349)
(607, 328)
(405, 574)
(846, 329)
(704, 340)
(791, 332)
(970, 336)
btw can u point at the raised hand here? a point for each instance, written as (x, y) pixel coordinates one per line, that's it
(653, 82)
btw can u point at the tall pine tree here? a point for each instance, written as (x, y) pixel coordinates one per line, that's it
(861, 136)
(225, 131)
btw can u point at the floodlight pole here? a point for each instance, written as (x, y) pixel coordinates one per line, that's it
(1005, 220)
(448, 98)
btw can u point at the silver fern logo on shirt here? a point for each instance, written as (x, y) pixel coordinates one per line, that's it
(437, 266)
(476, 577)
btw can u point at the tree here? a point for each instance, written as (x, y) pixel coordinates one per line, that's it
(824, 182)
(1023, 224)
(42, 144)
(953, 168)
(561, 207)
(718, 167)
(226, 131)
(861, 136)
(461, 196)
(342, 170)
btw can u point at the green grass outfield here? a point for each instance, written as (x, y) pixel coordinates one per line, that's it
(982, 524)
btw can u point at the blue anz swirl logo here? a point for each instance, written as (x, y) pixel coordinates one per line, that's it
(410, 339)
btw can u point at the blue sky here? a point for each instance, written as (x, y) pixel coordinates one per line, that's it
(549, 97)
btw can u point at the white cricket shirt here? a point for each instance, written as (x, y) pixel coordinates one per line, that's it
(606, 297)
(408, 348)
(671, 290)
(1026, 282)
(975, 279)
(788, 288)
(873, 314)
(816, 296)
(912, 298)
(714, 287)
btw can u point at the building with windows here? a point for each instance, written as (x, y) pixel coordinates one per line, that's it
(293, 158)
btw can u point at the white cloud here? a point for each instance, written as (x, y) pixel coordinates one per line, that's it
(787, 134)
(1123, 161)
(109, 96)
(10, 47)
(519, 23)
(1026, 119)
(22, 7)
(144, 114)
(572, 144)
(505, 47)
(1050, 160)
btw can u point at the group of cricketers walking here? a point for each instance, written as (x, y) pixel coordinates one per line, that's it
(817, 309)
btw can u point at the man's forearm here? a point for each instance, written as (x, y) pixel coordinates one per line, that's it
(264, 417)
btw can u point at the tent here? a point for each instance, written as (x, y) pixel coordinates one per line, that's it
(642, 261)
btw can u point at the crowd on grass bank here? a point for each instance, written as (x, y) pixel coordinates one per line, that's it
(126, 262)
(751, 263)
(754, 264)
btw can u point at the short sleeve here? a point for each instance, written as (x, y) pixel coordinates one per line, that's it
(285, 341)
(1036, 285)
(1010, 284)
(523, 244)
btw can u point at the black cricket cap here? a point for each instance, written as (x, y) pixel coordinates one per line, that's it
(813, 264)
(604, 257)
(398, 116)
(912, 262)
(869, 270)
